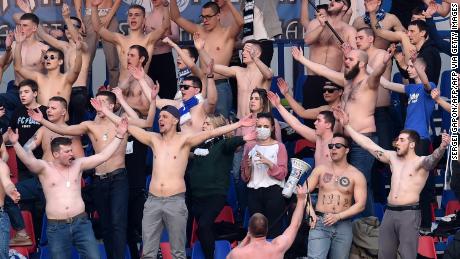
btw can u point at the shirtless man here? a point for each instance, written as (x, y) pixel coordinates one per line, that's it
(53, 83)
(6, 188)
(165, 205)
(325, 49)
(107, 12)
(386, 20)
(332, 94)
(339, 184)
(365, 41)
(399, 230)
(220, 42)
(255, 244)
(358, 99)
(61, 181)
(321, 135)
(56, 113)
(255, 74)
(111, 180)
(73, 32)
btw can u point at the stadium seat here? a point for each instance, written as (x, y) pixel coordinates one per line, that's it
(166, 250)
(222, 249)
(226, 215)
(452, 207)
(298, 88)
(232, 198)
(447, 195)
(29, 227)
(22, 250)
(104, 255)
(426, 247)
(301, 144)
(445, 92)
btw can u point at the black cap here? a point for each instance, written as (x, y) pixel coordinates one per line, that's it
(174, 112)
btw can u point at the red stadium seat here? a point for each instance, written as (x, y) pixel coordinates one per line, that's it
(29, 226)
(301, 144)
(452, 207)
(426, 247)
(166, 250)
(226, 215)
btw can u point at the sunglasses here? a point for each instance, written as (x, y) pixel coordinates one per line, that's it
(336, 145)
(185, 87)
(329, 90)
(51, 57)
(207, 17)
(75, 25)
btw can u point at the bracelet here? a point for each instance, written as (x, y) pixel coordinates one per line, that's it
(118, 137)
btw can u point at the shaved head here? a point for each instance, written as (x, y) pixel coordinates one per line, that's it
(258, 225)
(360, 55)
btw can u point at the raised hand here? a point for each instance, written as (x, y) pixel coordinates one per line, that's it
(297, 53)
(431, 10)
(122, 127)
(65, 11)
(24, 6)
(346, 48)
(210, 68)
(167, 40)
(274, 99)
(341, 116)
(137, 73)
(97, 105)
(251, 135)
(155, 90)
(321, 18)
(118, 93)
(199, 42)
(9, 39)
(35, 114)
(251, 50)
(301, 192)
(14, 195)
(18, 36)
(283, 86)
(435, 94)
(389, 54)
(13, 136)
(247, 121)
(445, 139)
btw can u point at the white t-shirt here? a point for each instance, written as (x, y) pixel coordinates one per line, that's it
(259, 28)
(259, 175)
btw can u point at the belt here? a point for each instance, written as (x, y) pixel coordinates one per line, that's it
(68, 220)
(111, 174)
(402, 208)
(319, 213)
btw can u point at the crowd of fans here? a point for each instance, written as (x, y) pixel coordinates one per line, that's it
(215, 130)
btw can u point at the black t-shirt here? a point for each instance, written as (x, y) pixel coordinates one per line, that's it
(26, 128)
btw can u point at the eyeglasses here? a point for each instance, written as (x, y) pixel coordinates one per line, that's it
(185, 87)
(336, 145)
(207, 17)
(75, 25)
(51, 57)
(329, 90)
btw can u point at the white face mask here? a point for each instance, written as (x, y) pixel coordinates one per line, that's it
(263, 133)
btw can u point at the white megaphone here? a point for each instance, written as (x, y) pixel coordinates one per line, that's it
(298, 168)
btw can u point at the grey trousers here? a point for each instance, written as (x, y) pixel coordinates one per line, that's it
(399, 231)
(160, 212)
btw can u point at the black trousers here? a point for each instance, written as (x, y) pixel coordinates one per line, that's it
(427, 194)
(313, 94)
(270, 202)
(163, 70)
(78, 104)
(205, 210)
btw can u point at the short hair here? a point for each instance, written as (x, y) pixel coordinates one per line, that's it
(418, 10)
(413, 136)
(254, 42)
(193, 52)
(110, 96)
(142, 53)
(30, 83)
(266, 106)
(258, 225)
(76, 19)
(212, 5)
(59, 99)
(421, 25)
(30, 17)
(341, 135)
(136, 6)
(322, 6)
(217, 120)
(268, 116)
(58, 51)
(328, 117)
(57, 142)
(195, 81)
(368, 31)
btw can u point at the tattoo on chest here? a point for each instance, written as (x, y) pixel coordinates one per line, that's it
(327, 177)
(344, 181)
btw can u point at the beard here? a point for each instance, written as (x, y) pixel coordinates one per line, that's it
(352, 73)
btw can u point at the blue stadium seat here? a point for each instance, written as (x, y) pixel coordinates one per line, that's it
(221, 251)
(104, 255)
(447, 195)
(445, 91)
(232, 198)
(298, 88)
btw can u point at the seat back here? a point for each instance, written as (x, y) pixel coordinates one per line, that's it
(226, 215)
(426, 247)
(29, 227)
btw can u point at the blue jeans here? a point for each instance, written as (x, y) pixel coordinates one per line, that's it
(30, 190)
(4, 235)
(335, 240)
(224, 97)
(79, 233)
(363, 161)
(111, 200)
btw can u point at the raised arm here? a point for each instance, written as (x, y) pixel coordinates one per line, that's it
(235, 28)
(187, 25)
(59, 44)
(35, 141)
(28, 158)
(75, 67)
(284, 241)
(8, 186)
(373, 81)
(165, 24)
(105, 34)
(99, 158)
(6, 58)
(198, 138)
(334, 76)
(315, 28)
(389, 85)
(185, 58)
(290, 119)
(430, 162)
(435, 94)
(304, 14)
(142, 135)
(264, 69)
(381, 154)
(422, 75)
(68, 22)
(211, 91)
(73, 130)
(78, 8)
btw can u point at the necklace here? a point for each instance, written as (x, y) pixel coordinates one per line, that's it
(105, 137)
(67, 182)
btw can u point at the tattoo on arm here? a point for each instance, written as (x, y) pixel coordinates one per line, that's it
(30, 145)
(430, 162)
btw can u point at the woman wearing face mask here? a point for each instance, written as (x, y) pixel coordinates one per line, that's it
(210, 180)
(264, 167)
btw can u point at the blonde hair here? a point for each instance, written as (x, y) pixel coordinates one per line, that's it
(218, 120)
